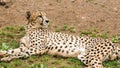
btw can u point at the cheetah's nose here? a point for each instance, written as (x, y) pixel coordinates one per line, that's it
(47, 21)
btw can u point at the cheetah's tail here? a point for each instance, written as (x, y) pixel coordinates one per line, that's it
(118, 52)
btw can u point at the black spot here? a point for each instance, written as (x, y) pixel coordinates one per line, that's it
(98, 45)
(65, 46)
(105, 44)
(31, 45)
(95, 47)
(67, 52)
(87, 57)
(98, 49)
(21, 49)
(102, 53)
(94, 52)
(36, 36)
(88, 42)
(76, 42)
(75, 46)
(92, 59)
(86, 61)
(81, 38)
(27, 53)
(108, 47)
(38, 39)
(82, 57)
(35, 50)
(92, 64)
(31, 52)
(59, 40)
(96, 59)
(103, 47)
(107, 53)
(116, 53)
(56, 47)
(99, 58)
(31, 49)
(62, 51)
(64, 43)
(58, 43)
(91, 49)
(12, 51)
(36, 44)
(70, 46)
(83, 60)
(51, 48)
(70, 43)
(99, 63)
(59, 50)
(72, 51)
(89, 61)
(85, 40)
(105, 50)
(95, 62)
(48, 47)
(76, 38)
(110, 44)
(18, 54)
(60, 46)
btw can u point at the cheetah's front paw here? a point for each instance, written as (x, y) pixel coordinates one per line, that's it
(6, 59)
(3, 53)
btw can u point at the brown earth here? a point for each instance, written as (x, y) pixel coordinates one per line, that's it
(103, 15)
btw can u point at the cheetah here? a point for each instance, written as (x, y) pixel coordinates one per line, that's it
(39, 40)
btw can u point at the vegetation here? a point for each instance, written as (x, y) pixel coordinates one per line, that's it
(66, 28)
(9, 38)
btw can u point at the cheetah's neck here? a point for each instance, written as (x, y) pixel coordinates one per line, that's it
(30, 29)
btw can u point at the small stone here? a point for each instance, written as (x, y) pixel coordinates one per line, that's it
(3, 2)
(115, 9)
(83, 17)
(59, 1)
(73, 0)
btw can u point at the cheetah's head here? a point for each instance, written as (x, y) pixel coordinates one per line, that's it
(37, 19)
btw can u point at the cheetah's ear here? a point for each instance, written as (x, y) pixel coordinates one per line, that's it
(28, 14)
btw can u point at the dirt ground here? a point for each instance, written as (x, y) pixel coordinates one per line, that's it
(103, 15)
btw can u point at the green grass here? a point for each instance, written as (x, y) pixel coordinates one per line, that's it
(9, 38)
(66, 28)
(94, 33)
(116, 38)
